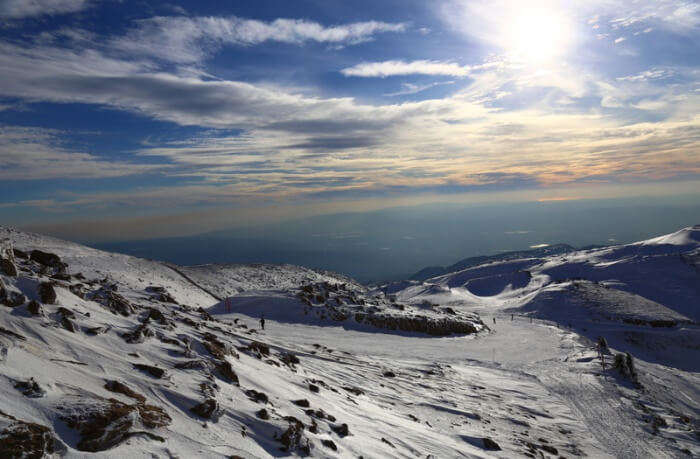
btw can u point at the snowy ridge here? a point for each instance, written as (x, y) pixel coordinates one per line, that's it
(114, 356)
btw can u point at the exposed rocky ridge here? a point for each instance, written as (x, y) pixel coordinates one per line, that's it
(339, 303)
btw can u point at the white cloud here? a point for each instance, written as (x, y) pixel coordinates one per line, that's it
(419, 67)
(17, 9)
(652, 74)
(679, 16)
(294, 143)
(409, 88)
(186, 40)
(33, 153)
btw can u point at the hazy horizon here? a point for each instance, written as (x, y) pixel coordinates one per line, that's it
(394, 243)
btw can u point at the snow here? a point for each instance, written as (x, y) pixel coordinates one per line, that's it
(532, 381)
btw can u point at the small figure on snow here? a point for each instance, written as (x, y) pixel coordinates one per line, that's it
(494, 321)
(262, 322)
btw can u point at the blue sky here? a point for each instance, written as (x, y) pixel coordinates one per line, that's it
(222, 112)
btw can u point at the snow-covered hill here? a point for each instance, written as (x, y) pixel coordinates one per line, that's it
(109, 355)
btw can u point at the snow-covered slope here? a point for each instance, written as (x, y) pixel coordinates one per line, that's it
(643, 298)
(108, 355)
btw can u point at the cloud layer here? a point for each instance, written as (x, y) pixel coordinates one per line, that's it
(187, 40)
(500, 124)
(18, 9)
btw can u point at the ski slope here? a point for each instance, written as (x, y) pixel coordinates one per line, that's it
(317, 382)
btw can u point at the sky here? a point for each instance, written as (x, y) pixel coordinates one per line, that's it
(150, 119)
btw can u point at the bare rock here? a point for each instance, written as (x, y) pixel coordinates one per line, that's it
(67, 324)
(45, 258)
(198, 364)
(208, 409)
(150, 369)
(216, 347)
(291, 438)
(342, 430)
(330, 444)
(104, 424)
(116, 303)
(20, 439)
(226, 371)
(7, 267)
(20, 254)
(139, 334)
(30, 388)
(96, 330)
(256, 396)
(12, 299)
(47, 294)
(490, 444)
(121, 388)
(289, 359)
(35, 308)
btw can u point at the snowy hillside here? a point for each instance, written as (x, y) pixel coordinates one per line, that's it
(108, 355)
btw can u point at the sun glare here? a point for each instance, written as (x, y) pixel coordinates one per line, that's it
(535, 35)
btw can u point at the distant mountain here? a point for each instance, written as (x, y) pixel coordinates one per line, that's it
(434, 271)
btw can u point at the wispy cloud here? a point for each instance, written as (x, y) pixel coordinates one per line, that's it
(409, 88)
(191, 39)
(34, 154)
(17, 9)
(421, 67)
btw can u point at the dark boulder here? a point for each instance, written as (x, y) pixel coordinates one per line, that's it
(207, 409)
(20, 254)
(192, 365)
(342, 430)
(26, 439)
(30, 388)
(104, 424)
(330, 444)
(35, 308)
(490, 444)
(292, 437)
(67, 324)
(226, 371)
(139, 334)
(150, 369)
(47, 294)
(96, 330)
(256, 396)
(121, 388)
(7, 267)
(46, 258)
(289, 359)
(12, 299)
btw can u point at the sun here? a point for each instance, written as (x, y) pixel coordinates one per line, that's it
(536, 35)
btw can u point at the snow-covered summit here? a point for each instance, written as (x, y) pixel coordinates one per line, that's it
(689, 236)
(114, 356)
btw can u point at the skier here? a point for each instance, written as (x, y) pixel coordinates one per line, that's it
(262, 322)
(494, 321)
